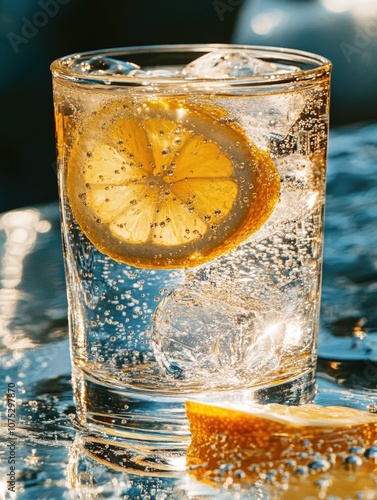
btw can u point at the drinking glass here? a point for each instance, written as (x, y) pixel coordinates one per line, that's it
(192, 190)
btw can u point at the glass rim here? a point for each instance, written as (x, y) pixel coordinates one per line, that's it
(62, 67)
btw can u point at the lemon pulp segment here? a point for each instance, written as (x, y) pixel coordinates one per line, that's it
(166, 184)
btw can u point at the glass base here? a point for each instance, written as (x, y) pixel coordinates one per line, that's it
(159, 421)
(147, 459)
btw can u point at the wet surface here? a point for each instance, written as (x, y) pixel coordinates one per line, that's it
(54, 458)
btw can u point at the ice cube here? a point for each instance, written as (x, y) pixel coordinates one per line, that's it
(225, 63)
(266, 118)
(154, 73)
(100, 65)
(298, 197)
(204, 342)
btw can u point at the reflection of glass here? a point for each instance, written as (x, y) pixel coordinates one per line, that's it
(99, 468)
(192, 193)
(125, 456)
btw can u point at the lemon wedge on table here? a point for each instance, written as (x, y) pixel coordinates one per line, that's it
(164, 183)
(289, 442)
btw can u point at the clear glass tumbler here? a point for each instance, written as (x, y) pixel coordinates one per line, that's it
(192, 190)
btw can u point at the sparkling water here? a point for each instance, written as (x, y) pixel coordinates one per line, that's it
(144, 339)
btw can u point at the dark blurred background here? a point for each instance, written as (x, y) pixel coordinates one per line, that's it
(35, 32)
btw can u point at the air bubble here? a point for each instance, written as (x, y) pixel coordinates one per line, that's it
(301, 470)
(371, 453)
(324, 483)
(352, 461)
(357, 450)
(319, 465)
(291, 463)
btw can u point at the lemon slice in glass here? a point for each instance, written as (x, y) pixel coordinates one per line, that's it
(164, 183)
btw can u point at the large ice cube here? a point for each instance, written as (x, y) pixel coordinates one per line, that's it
(226, 63)
(204, 342)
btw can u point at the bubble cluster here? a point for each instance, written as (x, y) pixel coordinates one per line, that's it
(318, 475)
